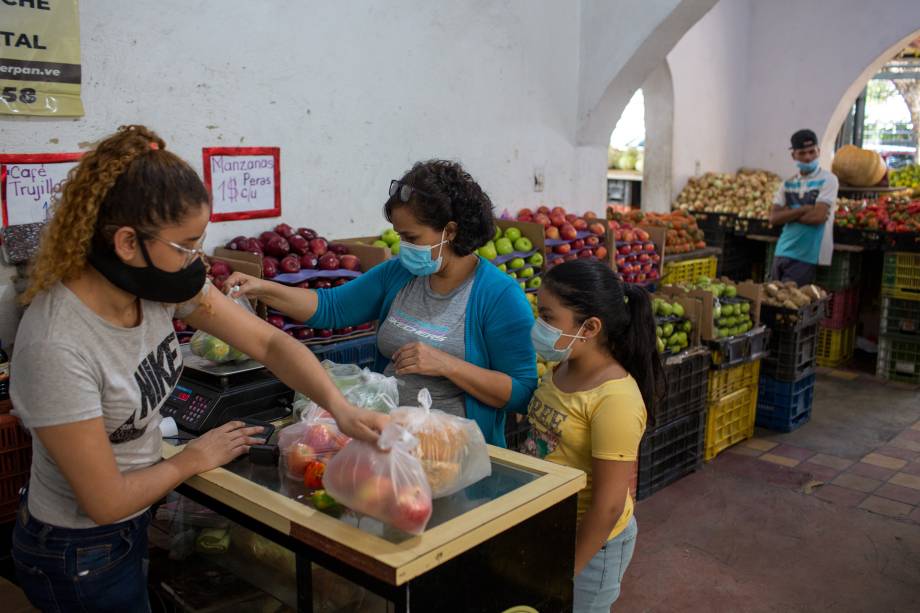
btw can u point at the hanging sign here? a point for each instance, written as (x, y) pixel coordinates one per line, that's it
(245, 182)
(40, 58)
(28, 182)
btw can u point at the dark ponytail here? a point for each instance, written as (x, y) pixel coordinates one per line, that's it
(592, 290)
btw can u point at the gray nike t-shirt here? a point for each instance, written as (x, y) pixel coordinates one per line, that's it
(419, 314)
(69, 365)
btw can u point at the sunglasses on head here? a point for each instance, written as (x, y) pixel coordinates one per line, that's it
(405, 191)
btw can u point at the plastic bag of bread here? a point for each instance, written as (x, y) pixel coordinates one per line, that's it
(385, 481)
(315, 438)
(451, 449)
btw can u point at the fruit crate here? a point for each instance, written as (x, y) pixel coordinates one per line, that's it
(725, 382)
(687, 378)
(898, 359)
(835, 347)
(781, 319)
(842, 309)
(670, 452)
(715, 222)
(729, 421)
(756, 227)
(734, 350)
(901, 276)
(900, 316)
(793, 354)
(689, 271)
(361, 351)
(867, 239)
(843, 272)
(784, 406)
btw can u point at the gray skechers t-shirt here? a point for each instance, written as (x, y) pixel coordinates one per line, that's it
(419, 314)
(69, 365)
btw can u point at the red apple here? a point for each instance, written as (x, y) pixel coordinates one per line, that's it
(330, 261)
(219, 268)
(307, 233)
(587, 253)
(324, 438)
(365, 326)
(324, 333)
(644, 257)
(322, 284)
(350, 262)
(637, 247)
(578, 245)
(571, 217)
(656, 258)
(647, 268)
(303, 334)
(568, 232)
(542, 218)
(628, 236)
(557, 219)
(601, 252)
(341, 281)
(552, 233)
(338, 248)
(562, 249)
(319, 246)
(179, 325)
(411, 509)
(569, 257)
(642, 235)
(344, 331)
(621, 262)
(275, 320)
(592, 241)
(269, 267)
(267, 236)
(299, 244)
(543, 210)
(624, 250)
(277, 246)
(558, 210)
(304, 285)
(252, 245)
(597, 228)
(590, 215)
(297, 457)
(580, 224)
(527, 218)
(309, 261)
(640, 278)
(284, 230)
(290, 264)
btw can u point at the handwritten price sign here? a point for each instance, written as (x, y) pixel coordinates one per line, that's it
(245, 182)
(29, 183)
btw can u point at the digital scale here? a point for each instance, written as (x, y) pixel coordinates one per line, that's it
(209, 395)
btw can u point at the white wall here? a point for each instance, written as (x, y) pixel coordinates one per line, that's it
(804, 58)
(709, 72)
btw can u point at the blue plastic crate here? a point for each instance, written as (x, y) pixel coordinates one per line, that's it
(361, 351)
(782, 405)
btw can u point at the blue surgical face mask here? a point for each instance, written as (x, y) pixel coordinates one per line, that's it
(545, 337)
(417, 258)
(808, 167)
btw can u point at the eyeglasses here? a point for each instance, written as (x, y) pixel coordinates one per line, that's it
(190, 254)
(405, 191)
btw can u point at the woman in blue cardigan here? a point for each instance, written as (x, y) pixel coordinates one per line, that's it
(448, 320)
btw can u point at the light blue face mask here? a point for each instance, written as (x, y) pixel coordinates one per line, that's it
(545, 337)
(417, 258)
(807, 167)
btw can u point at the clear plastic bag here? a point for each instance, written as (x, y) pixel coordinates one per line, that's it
(214, 349)
(315, 438)
(387, 483)
(361, 387)
(452, 450)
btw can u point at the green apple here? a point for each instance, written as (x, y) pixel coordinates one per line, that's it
(523, 285)
(666, 311)
(523, 244)
(513, 275)
(517, 263)
(390, 237)
(512, 233)
(381, 243)
(498, 233)
(535, 282)
(668, 329)
(503, 246)
(526, 273)
(687, 327)
(661, 346)
(488, 251)
(678, 309)
(394, 248)
(503, 267)
(536, 259)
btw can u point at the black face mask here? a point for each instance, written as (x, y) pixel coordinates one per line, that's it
(150, 283)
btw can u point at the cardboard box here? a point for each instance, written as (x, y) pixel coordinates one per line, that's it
(693, 311)
(377, 255)
(240, 261)
(656, 237)
(533, 231)
(751, 291)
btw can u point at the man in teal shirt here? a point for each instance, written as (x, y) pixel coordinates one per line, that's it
(804, 205)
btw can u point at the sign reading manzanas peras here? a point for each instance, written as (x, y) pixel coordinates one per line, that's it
(40, 57)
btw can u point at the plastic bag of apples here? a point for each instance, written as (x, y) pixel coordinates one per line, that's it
(306, 447)
(385, 481)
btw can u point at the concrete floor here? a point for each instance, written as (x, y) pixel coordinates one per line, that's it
(750, 531)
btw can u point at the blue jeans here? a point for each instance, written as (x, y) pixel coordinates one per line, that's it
(598, 585)
(94, 569)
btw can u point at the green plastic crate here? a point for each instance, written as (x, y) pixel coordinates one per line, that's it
(900, 316)
(898, 359)
(901, 275)
(843, 272)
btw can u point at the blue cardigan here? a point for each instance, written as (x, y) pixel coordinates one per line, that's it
(497, 336)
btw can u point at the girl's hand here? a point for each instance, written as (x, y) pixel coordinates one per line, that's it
(246, 285)
(422, 359)
(361, 424)
(221, 445)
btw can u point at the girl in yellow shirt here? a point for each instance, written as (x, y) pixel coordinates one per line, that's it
(589, 412)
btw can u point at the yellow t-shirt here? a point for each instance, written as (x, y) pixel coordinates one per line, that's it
(606, 423)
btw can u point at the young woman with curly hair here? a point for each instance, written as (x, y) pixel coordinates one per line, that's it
(96, 357)
(449, 321)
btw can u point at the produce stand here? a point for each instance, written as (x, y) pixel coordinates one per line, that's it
(511, 536)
